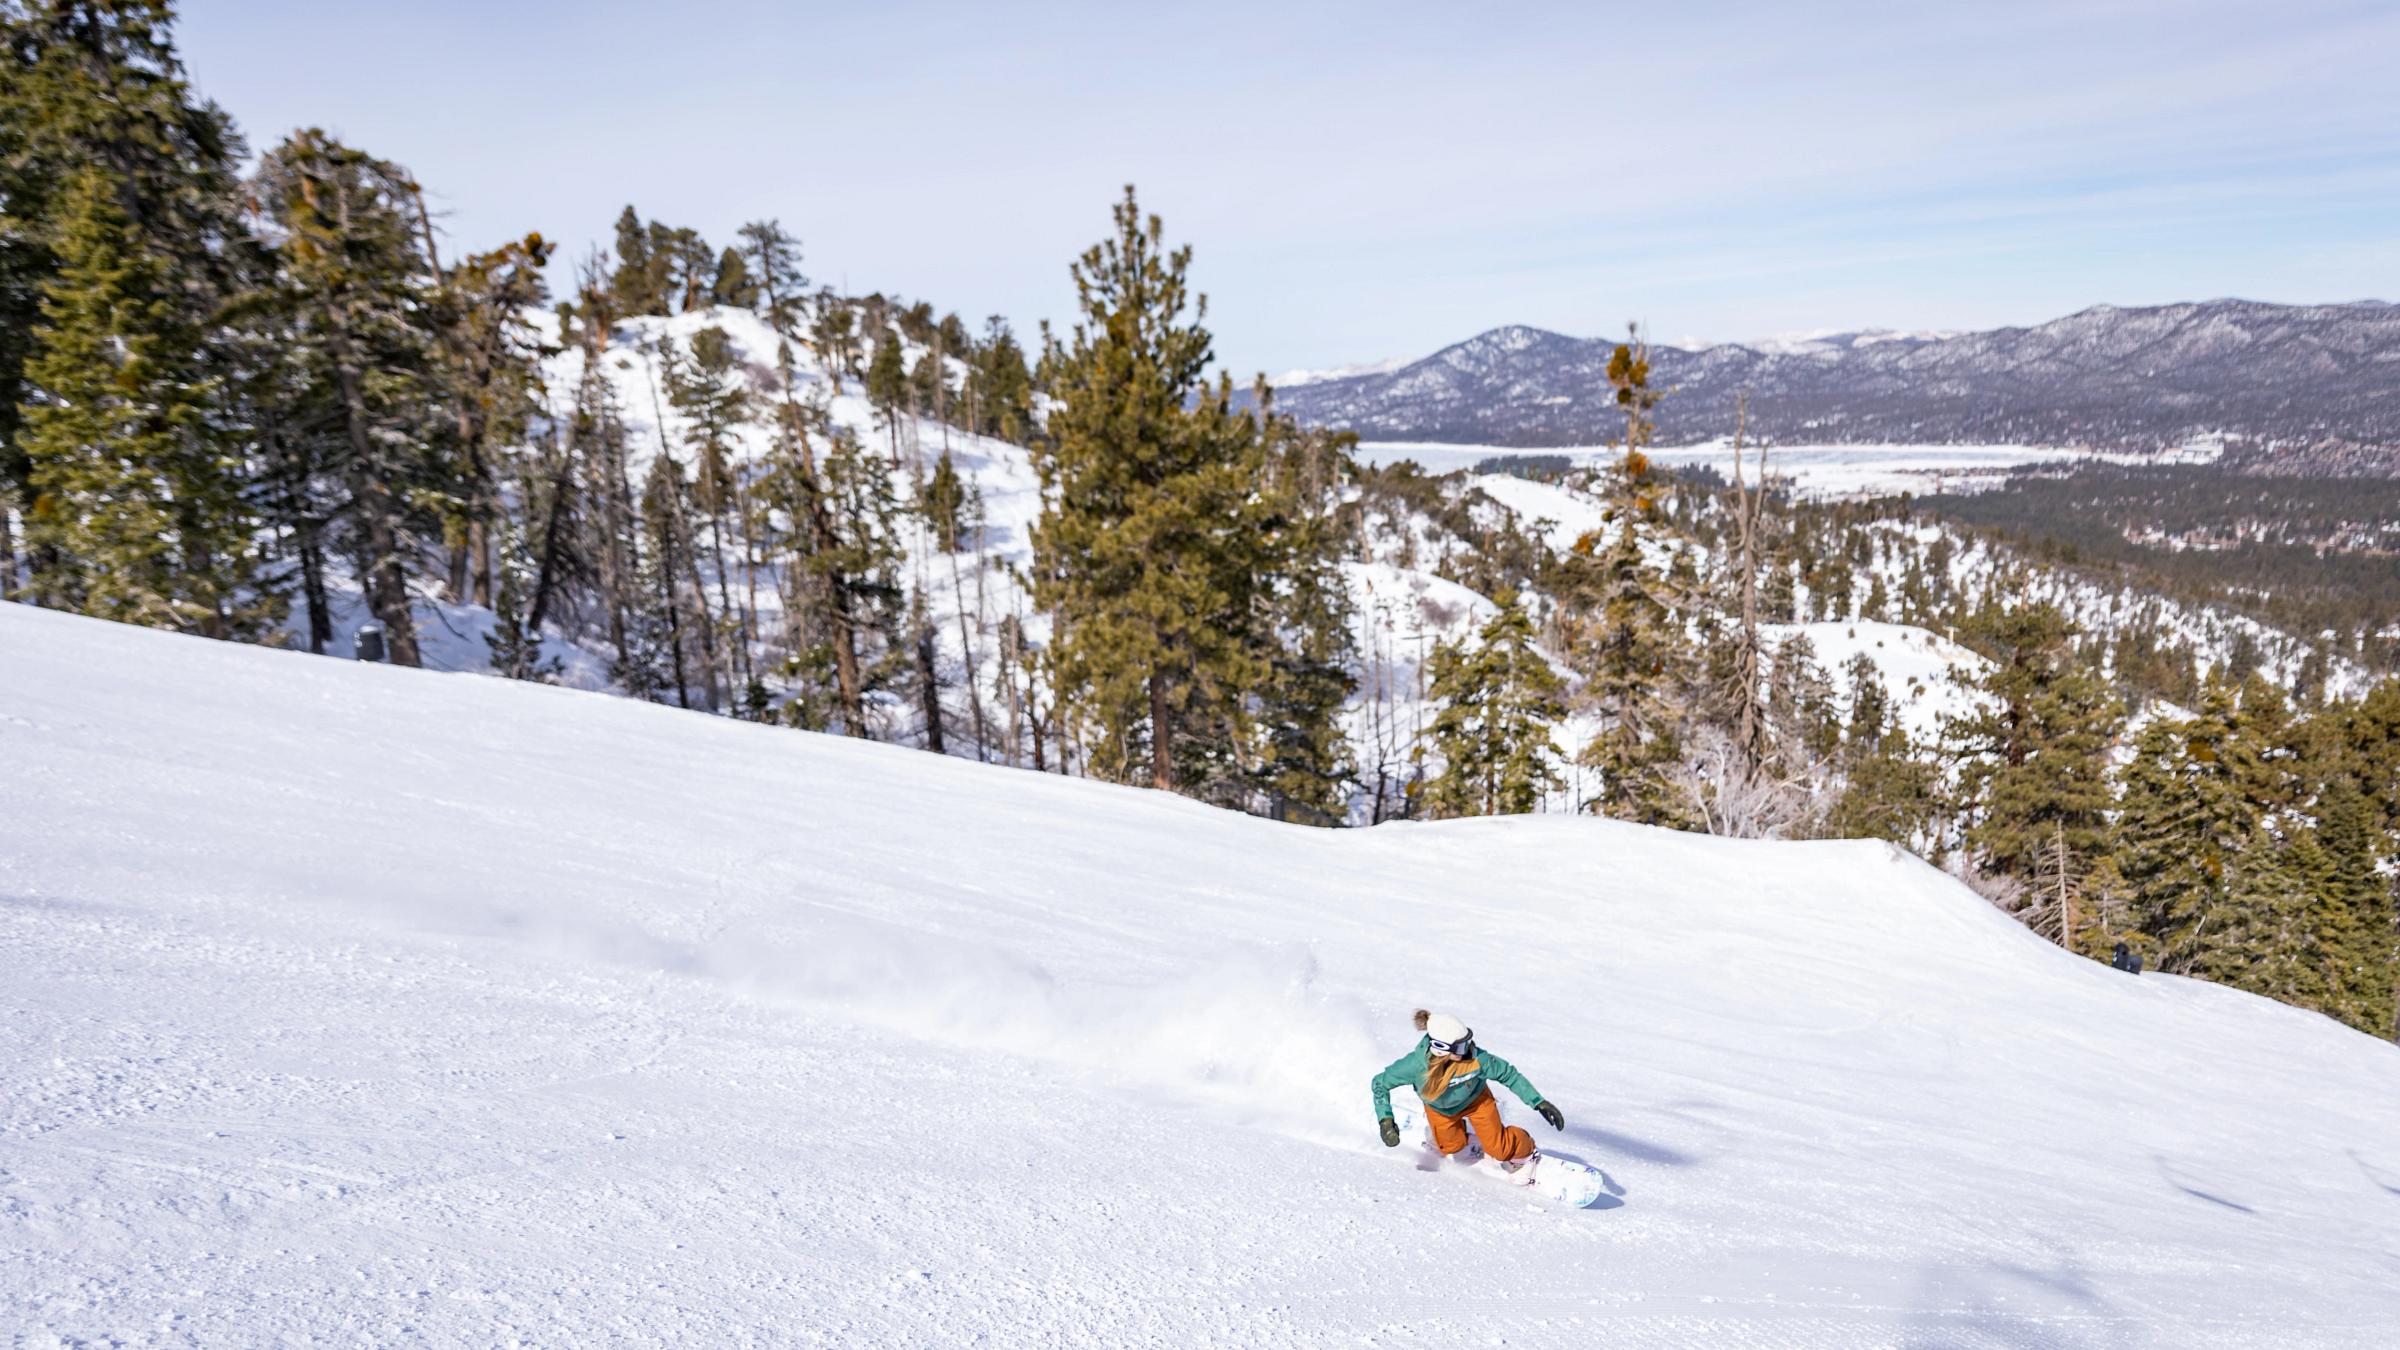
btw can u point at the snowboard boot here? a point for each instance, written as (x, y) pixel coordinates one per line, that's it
(1518, 1173)
(1433, 1159)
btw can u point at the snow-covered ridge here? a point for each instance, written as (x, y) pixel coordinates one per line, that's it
(2107, 378)
(363, 1004)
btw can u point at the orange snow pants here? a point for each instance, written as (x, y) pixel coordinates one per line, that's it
(1505, 1142)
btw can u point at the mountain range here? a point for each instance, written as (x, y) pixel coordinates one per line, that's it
(2317, 379)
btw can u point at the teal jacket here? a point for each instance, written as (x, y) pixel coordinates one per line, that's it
(1409, 1070)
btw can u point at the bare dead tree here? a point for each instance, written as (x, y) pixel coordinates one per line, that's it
(1749, 506)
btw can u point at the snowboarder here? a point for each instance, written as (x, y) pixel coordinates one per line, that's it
(1452, 1076)
(2127, 960)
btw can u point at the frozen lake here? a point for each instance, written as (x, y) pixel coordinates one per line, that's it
(1816, 470)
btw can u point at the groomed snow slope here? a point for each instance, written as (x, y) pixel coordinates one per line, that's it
(379, 1006)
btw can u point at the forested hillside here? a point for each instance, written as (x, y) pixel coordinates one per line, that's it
(266, 400)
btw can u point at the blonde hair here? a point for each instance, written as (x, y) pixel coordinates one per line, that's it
(1439, 1070)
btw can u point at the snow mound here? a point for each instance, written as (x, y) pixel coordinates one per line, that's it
(356, 1004)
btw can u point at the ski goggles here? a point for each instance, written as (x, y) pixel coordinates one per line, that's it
(1462, 1048)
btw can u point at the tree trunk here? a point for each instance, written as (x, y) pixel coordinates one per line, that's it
(1749, 730)
(711, 687)
(546, 571)
(666, 595)
(312, 590)
(737, 660)
(966, 645)
(8, 550)
(929, 691)
(1162, 734)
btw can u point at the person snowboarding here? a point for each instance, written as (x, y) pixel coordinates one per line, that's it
(1453, 1077)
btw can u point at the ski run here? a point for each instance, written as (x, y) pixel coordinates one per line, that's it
(350, 1004)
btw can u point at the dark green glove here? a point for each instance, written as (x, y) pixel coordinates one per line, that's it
(1391, 1132)
(1551, 1113)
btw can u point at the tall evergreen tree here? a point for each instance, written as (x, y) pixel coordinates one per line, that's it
(943, 503)
(94, 88)
(888, 388)
(2034, 755)
(771, 261)
(1146, 552)
(638, 285)
(358, 287)
(2182, 823)
(488, 370)
(706, 385)
(1312, 657)
(1632, 652)
(136, 502)
(1000, 386)
(734, 285)
(1498, 700)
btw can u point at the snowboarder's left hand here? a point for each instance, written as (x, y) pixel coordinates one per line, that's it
(1391, 1132)
(1558, 1121)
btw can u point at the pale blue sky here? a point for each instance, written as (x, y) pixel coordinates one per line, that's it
(1368, 181)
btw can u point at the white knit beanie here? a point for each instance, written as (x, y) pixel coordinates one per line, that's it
(1442, 1027)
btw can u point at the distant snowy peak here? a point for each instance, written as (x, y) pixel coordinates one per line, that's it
(2105, 378)
(1292, 378)
(1830, 340)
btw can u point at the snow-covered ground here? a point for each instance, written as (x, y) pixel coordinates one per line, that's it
(1928, 677)
(355, 1004)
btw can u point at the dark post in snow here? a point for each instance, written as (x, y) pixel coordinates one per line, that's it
(368, 645)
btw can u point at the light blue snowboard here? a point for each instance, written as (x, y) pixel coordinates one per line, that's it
(1569, 1183)
(1559, 1180)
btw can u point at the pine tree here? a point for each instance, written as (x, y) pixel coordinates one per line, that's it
(2034, 757)
(888, 389)
(2182, 823)
(706, 386)
(1800, 704)
(135, 500)
(601, 498)
(358, 286)
(670, 609)
(515, 641)
(1623, 634)
(1889, 791)
(771, 261)
(1000, 388)
(1744, 675)
(684, 265)
(1311, 657)
(848, 564)
(488, 369)
(638, 286)
(1148, 549)
(1498, 700)
(929, 385)
(733, 284)
(94, 88)
(943, 503)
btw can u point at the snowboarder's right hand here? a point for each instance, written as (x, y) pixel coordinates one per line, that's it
(1391, 1132)
(1558, 1121)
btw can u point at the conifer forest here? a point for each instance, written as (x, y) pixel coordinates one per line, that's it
(255, 392)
